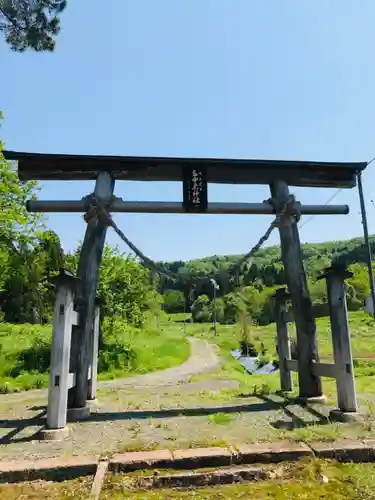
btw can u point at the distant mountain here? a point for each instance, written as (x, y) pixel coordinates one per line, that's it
(265, 267)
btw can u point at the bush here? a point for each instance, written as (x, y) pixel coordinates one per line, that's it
(115, 356)
(35, 358)
(201, 310)
(174, 302)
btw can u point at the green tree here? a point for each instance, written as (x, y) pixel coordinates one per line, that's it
(233, 307)
(174, 301)
(125, 287)
(28, 293)
(17, 225)
(31, 23)
(200, 310)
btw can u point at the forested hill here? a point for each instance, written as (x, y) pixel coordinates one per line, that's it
(265, 267)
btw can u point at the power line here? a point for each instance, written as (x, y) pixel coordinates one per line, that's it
(309, 219)
(331, 198)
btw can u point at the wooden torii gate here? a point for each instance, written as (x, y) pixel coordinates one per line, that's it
(195, 174)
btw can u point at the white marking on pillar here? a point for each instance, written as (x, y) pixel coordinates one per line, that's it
(93, 369)
(342, 352)
(64, 319)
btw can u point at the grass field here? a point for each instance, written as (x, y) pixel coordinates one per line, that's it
(305, 480)
(362, 328)
(25, 353)
(224, 407)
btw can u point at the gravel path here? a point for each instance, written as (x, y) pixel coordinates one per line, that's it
(203, 359)
(119, 417)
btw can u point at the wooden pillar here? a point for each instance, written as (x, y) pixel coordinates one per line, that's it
(64, 318)
(310, 385)
(283, 343)
(342, 352)
(88, 270)
(94, 345)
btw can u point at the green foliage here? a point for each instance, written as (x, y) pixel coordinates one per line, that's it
(126, 350)
(201, 309)
(125, 287)
(29, 255)
(31, 23)
(258, 280)
(27, 295)
(174, 301)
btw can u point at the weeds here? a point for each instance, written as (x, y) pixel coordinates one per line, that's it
(25, 353)
(221, 418)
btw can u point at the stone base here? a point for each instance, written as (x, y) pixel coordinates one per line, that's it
(53, 434)
(92, 403)
(74, 414)
(347, 417)
(315, 400)
(284, 392)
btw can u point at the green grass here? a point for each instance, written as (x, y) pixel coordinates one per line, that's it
(302, 480)
(362, 330)
(221, 418)
(307, 479)
(25, 353)
(79, 489)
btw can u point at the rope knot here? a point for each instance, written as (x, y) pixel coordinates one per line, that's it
(289, 207)
(98, 208)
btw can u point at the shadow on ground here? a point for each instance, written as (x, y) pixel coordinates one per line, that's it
(26, 429)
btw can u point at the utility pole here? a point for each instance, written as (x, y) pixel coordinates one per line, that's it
(367, 241)
(215, 287)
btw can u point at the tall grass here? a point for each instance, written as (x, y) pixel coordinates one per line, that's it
(25, 352)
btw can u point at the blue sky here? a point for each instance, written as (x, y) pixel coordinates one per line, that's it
(215, 78)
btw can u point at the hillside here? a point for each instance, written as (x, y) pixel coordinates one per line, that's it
(265, 271)
(267, 266)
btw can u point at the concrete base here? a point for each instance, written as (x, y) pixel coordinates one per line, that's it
(345, 416)
(74, 414)
(53, 434)
(92, 403)
(315, 400)
(282, 393)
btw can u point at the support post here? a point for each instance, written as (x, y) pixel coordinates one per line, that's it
(342, 353)
(88, 270)
(94, 345)
(283, 343)
(310, 385)
(64, 319)
(367, 242)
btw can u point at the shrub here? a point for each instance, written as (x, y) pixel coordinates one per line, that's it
(35, 358)
(116, 356)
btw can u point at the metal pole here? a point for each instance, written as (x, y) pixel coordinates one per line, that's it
(367, 242)
(215, 287)
(174, 207)
(214, 316)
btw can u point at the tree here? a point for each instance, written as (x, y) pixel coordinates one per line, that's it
(17, 226)
(174, 301)
(31, 23)
(200, 310)
(28, 294)
(125, 287)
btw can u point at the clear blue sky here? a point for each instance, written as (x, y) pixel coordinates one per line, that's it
(216, 78)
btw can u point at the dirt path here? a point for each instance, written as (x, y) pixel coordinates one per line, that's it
(203, 358)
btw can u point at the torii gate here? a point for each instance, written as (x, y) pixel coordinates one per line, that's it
(194, 174)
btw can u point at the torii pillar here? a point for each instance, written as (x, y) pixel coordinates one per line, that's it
(310, 385)
(88, 271)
